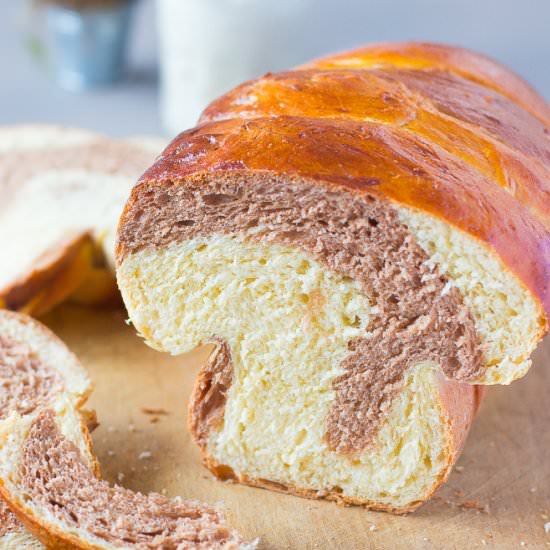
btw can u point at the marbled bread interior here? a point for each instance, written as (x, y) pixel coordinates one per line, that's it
(363, 239)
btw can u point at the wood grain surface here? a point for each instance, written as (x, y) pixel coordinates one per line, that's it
(498, 497)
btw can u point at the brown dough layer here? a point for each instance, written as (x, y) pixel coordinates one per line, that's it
(110, 157)
(207, 404)
(54, 475)
(26, 383)
(419, 318)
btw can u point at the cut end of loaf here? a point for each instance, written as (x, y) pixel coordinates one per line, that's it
(332, 225)
(509, 320)
(282, 325)
(340, 321)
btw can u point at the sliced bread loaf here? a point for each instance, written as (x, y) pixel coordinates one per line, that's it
(363, 239)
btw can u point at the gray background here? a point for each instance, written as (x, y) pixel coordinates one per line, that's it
(516, 33)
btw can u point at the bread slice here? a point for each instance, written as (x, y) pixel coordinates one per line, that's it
(363, 244)
(62, 191)
(49, 474)
(36, 369)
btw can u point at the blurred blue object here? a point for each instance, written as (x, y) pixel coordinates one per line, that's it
(87, 48)
(514, 33)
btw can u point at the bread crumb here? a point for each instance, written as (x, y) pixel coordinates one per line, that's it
(474, 505)
(131, 428)
(111, 429)
(484, 542)
(533, 490)
(459, 493)
(544, 516)
(372, 528)
(145, 455)
(547, 527)
(155, 411)
(120, 477)
(111, 453)
(459, 469)
(522, 543)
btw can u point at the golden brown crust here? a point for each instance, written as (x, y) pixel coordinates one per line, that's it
(459, 404)
(435, 128)
(482, 128)
(426, 56)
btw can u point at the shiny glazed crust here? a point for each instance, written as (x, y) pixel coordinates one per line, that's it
(463, 62)
(428, 136)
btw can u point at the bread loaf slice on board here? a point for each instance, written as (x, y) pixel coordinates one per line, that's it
(36, 370)
(62, 191)
(48, 472)
(363, 239)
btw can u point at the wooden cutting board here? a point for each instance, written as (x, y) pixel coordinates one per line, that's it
(498, 497)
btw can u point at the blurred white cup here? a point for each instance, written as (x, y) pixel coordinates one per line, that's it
(209, 46)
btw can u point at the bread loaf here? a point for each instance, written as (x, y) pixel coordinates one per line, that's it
(62, 191)
(364, 240)
(49, 474)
